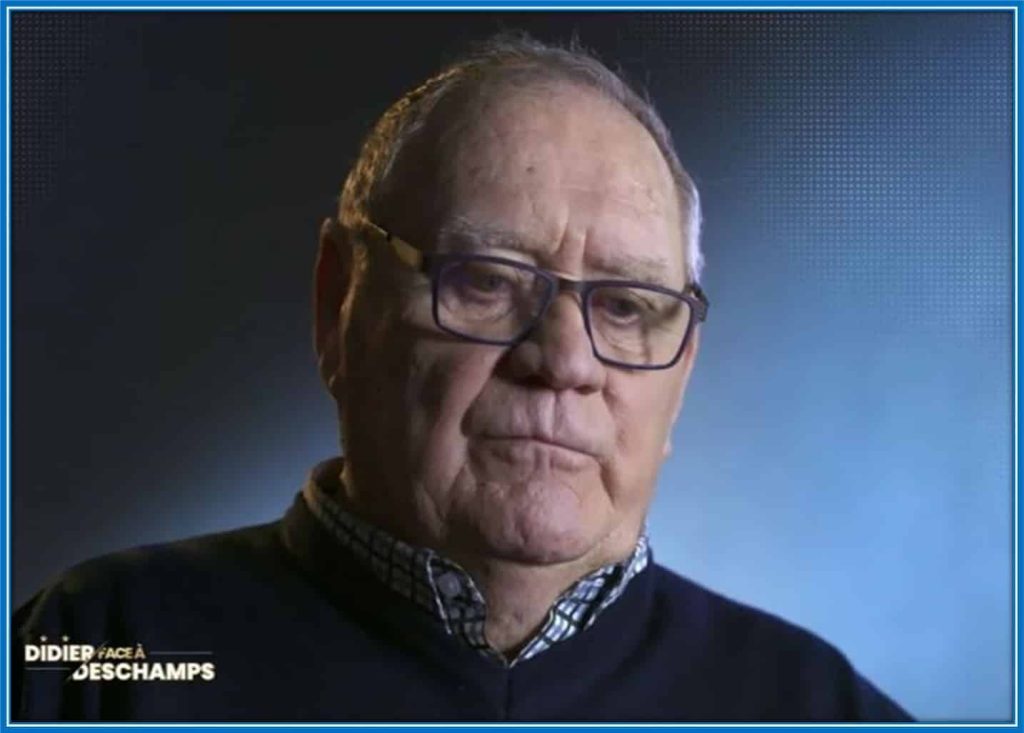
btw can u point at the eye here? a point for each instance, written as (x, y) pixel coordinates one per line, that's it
(621, 308)
(485, 281)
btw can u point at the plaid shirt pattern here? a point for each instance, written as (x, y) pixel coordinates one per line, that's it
(447, 592)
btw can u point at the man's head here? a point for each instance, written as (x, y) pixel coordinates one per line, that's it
(535, 451)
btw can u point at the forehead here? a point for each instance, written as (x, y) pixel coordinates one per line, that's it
(565, 176)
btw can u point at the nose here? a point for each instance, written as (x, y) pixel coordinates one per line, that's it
(557, 353)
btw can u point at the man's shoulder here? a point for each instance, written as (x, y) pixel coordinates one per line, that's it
(788, 666)
(206, 553)
(727, 620)
(192, 570)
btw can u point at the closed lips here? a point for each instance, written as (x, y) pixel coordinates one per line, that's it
(577, 446)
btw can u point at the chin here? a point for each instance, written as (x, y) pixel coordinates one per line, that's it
(536, 533)
(538, 550)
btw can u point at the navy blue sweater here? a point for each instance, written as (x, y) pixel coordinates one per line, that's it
(294, 632)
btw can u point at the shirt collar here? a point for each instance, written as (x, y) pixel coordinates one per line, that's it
(446, 591)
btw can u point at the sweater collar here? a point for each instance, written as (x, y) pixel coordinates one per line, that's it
(445, 591)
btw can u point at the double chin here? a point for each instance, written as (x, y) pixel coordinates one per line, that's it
(543, 517)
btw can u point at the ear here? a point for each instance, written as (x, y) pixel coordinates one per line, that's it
(332, 279)
(688, 359)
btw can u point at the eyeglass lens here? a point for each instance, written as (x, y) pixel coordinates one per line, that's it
(500, 302)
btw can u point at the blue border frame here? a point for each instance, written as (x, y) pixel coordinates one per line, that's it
(6, 6)
(490, 5)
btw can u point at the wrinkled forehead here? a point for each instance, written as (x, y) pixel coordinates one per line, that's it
(536, 164)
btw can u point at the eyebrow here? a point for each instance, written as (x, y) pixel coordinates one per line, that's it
(462, 235)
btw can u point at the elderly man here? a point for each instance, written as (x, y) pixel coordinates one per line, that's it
(507, 313)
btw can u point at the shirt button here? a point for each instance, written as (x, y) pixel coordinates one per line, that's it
(449, 585)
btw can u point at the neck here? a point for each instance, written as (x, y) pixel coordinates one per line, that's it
(519, 595)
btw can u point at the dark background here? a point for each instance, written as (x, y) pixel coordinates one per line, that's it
(844, 456)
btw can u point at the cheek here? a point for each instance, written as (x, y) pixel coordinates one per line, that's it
(642, 407)
(444, 381)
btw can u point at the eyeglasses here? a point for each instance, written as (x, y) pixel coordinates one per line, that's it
(493, 300)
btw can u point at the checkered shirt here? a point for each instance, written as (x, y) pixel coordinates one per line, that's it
(447, 592)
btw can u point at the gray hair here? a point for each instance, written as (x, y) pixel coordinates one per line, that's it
(501, 59)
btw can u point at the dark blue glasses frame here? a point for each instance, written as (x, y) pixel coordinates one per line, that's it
(433, 265)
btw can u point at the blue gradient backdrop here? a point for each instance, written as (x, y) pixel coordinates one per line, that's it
(844, 457)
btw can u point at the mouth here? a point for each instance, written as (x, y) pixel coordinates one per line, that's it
(540, 441)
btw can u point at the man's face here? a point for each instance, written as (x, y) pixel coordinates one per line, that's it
(535, 453)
